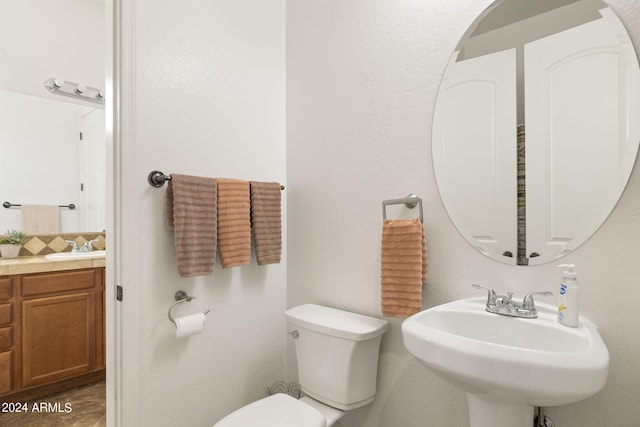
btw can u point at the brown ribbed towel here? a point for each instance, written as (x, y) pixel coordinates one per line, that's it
(404, 266)
(266, 221)
(234, 222)
(191, 213)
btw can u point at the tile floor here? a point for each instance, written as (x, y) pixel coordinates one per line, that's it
(79, 407)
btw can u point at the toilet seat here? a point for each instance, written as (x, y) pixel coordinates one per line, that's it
(278, 410)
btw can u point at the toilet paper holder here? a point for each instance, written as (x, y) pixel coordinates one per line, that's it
(180, 297)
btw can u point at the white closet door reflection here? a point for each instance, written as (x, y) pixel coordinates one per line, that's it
(576, 133)
(92, 170)
(475, 152)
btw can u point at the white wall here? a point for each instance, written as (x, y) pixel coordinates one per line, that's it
(362, 78)
(206, 81)
(40, 39)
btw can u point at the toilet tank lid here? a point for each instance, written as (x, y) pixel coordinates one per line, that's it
(335, 322)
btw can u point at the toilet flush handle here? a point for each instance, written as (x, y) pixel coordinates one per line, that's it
(295, 334)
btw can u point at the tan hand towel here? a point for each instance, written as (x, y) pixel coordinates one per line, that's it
(192, 214)
(38, 219)
(234, 222)
(404, 266)
(266, 221)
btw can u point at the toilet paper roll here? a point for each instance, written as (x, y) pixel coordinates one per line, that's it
(189, 325)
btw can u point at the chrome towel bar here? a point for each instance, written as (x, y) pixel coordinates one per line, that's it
(11, 205)
(411, 201)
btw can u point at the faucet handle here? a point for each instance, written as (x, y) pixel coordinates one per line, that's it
(88, 245)
(74, 245)
(527, 301)
(491, 296)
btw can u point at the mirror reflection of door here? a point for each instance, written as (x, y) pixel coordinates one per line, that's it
(534, 136)
(579, 144)
(474, 154)
(92, 170)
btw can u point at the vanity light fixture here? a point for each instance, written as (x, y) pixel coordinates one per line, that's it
(74, 90)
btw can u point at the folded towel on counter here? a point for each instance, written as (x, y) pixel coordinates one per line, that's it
(404, 266)
(234, 222)
(192, 214)
(266, 221)
(40, 219)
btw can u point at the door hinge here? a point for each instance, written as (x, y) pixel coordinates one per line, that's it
(119, 292)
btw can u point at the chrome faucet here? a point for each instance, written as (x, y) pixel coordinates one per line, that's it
(504, 305)
(87, 246)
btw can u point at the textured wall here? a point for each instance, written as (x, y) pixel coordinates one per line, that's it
(209, 98)
(362, 79)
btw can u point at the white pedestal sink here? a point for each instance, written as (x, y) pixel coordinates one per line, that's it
(508, 365)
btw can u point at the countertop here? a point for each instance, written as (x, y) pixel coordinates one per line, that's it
(38, 264)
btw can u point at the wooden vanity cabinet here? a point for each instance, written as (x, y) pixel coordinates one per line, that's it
(61, 332)
(7, 327)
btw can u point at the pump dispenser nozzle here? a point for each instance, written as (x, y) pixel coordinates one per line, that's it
(570, 272)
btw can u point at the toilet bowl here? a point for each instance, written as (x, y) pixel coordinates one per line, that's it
(337, 354)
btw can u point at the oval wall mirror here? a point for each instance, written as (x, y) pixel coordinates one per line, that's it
(535, 128)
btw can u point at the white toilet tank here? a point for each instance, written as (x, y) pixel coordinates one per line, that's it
(337, 353)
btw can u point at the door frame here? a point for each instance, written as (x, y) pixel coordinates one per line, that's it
(122, 359)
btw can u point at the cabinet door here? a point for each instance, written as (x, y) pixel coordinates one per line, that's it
(6, 372)
(58, 337)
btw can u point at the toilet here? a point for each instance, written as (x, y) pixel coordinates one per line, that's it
(337, 354)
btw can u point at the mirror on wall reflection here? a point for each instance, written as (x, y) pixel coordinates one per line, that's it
(53, 154)
(535, 129)
(52, 146)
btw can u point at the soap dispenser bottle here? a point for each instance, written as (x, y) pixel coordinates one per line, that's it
(568, 304)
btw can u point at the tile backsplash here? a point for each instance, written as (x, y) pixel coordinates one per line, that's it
(44, 244)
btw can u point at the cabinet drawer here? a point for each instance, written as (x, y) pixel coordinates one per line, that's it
(6, 372)
(6, 338)
(6, 314)
(6, 288)
(57, 282)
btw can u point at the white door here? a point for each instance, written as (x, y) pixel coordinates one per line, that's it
(475, 151)
(582, 115)
(92, 171)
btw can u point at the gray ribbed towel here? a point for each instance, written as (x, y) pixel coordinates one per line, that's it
(266, 221)
(404, 266)
(192, 214)
(234, 222)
